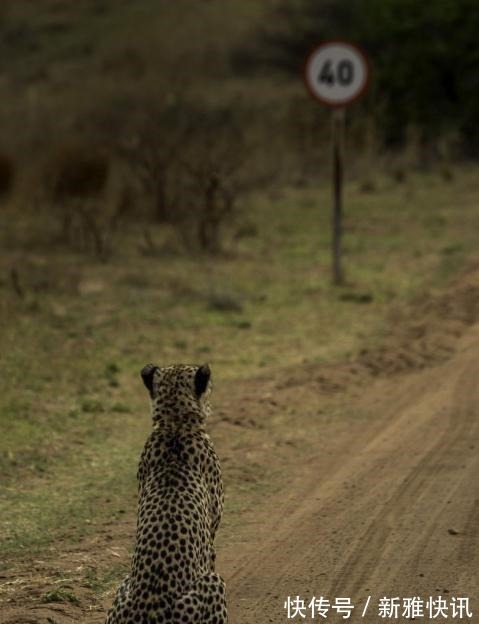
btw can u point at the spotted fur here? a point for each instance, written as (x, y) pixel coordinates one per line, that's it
(173, 578)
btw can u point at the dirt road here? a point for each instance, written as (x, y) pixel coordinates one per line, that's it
(393, 513)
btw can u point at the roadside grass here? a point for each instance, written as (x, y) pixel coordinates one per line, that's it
(102, 582)
(73, 412)
(59, 595)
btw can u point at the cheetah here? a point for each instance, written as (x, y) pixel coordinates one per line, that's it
(172, 578)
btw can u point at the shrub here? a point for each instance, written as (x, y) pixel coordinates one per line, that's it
(76, 184)
(78, 171)
(7, 174)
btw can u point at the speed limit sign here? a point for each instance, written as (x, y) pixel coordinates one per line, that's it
(336, 73)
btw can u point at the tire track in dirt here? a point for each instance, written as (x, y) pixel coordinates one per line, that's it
(416, 491)
(376, 521)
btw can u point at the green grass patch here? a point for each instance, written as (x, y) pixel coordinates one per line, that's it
(60, 595)
(101, 583)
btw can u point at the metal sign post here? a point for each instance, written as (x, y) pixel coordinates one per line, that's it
(336, 73)
(337, 132)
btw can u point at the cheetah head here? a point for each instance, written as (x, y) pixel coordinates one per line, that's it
(179, 393)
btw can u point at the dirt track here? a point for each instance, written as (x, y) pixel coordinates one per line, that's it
(375, 519)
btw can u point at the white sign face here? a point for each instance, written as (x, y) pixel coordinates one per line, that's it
(336, 73)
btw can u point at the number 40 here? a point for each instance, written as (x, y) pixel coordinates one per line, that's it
(344, 74)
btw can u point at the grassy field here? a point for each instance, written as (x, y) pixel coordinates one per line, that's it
(73, 412)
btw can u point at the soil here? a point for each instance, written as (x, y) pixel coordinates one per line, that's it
(383, 503)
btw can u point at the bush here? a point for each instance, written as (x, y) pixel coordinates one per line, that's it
(191, 160)
(77, 171)
(7, 174)
(75, 184)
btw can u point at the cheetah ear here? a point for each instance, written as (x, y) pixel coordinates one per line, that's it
(147, 373)
(202, 378)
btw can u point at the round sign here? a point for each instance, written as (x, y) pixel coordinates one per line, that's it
(336, 73)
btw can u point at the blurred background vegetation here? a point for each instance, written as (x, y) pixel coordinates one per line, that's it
(173, 113)
(424, 59)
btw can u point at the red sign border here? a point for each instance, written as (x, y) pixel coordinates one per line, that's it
(357, 49)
